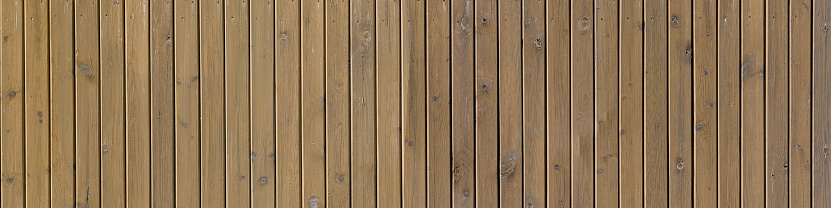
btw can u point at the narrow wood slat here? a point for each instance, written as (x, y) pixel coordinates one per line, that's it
(212, 103)
(36, 30)
(486, 109)
(338, 174)
(753, 92)
(438, 104)
(362, 39)
(729, 158)
(87, 126)
(582, 102)
(12, 118)
(680, 103)
(558, 111)
(631, 101)
(776, 103)
(113, 118)
(821, 121)
(237, 98)
(313, 103)
(606, 63)
(263, 154)
(62, 105)
(656, 124)
(533, 103)
(705, 97)
(388, 92)
(186, 92)
(510, 103)
(162, 132)
(413, 105)
(287, 78)
(462, 152)
(799, 67)
(137, 57)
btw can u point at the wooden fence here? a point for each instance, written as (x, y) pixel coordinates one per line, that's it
(415, 103)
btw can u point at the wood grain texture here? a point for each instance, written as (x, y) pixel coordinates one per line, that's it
(680, 103)
(606, 105)
(533, 103)
(799, 131)
(338, 172)
(753, 103)
(486, 109)
(263, 117)
(821, 97)
(87, 98)
(510, 104)
(388, 92)
(212, 104)
(656, 99)
(558, 101)
(186, 99)
(438, 104)
(162, 121)
(237, 97)
(705, 93)
(313, 104)
(631, 101)
(413, 105)
(776, 104)
(62, 105)
(113, 118)
(362, 43)
(12, 117)
(729, 102)
(137, 57)
(583, 103)
(36, 46)
(287, 78)
(462, 103)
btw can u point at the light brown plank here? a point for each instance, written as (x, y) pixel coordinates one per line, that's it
(237, 98)
(821, 111)
(656, 123)
(729, 101)
(438, 104)
(462, 152)
(582, 102)
(631, 101)
(362, 39)
(113, 132)
(388, 92)
(263, 155)
(413, 104)
(313, 103)
(558, 89)
(287, 77)
(776, 103)
(680, 103)
(36, 30)
(338, 174)
(186, 91)
(12, 118)
(87, 123)
(486, 109)
(705, 97)
(606, 63)
(212, 103)
(162, 133)
(137, 57)
(533, 103)
(510, 103)
(753, 92)
(62, 105)
(799, 152)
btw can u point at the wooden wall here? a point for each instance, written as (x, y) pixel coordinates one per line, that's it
(415, 103)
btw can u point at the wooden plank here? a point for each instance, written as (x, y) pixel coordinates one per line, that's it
(36, 31)
(137, 57)
(631, 103)
(680, 103)
(606, 106)
(162, 132)
(533, 103)
(438, 104)
(656, 123)
(821, 121)
(263, 155)
(287, 77)
(753, 93)
(510, 103)
(558, 112)
(186, 91)
(212, 103)
(705, 96)
(582, 102)
(87, 123)
(388, 92)
(486, 62)
(729, 98)
(799, 152)
(362, 37)
(12, 118)
(462, 152)
(113, 132)
(237, 119)
(776, 103)
(413, 104)
(62, 105)
(338, 174)
(313, 103)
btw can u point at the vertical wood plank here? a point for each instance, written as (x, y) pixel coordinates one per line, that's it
(510, 103)
(533, 103)
(388, 92)
(212, 103)
(680, 103)
(705, 74)
(438, 104)
(821, 113)
(237, 89)
(37, 104)
(462, 152)
(87, 126)
(631, 102)
(162, 132)
(186, 91)
(656, 123)
(263, 156)
(558, 92)
(313, 103)
(776, 103)
(799, 152)
(338, 174)
(362, 38)
(729, 158)
(137, 57)
(753, 92)
(413, 104)
(287, 77)
(606, 63)
(113, 135)
(62, 105)
(486, 109)
(12, 118)
(582, 102)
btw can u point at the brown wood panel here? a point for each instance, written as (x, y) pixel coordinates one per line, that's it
(510, 103)
(462, 152)
(186, 98)
(87, 103)
(263, 154)
(62, 104)
(821, 105)
(12, 117)
(558, 92)
(287, 78)
(36, 46)
(680, 103)
(533, 103)
(583, 103)
(486, 44)
(413, 105)
(388, 92)
(113, 135)
(212, 104)
(338, 172)
(438, 104)
(631, 101)
(606, 105)
(362, 43)
(313, 104)
(753, 110)
(237, 97)
(799, 122)
(729, 102)
(656, 98)
(776, 104)
(162, 121)
(705, 97)
(137, 58)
